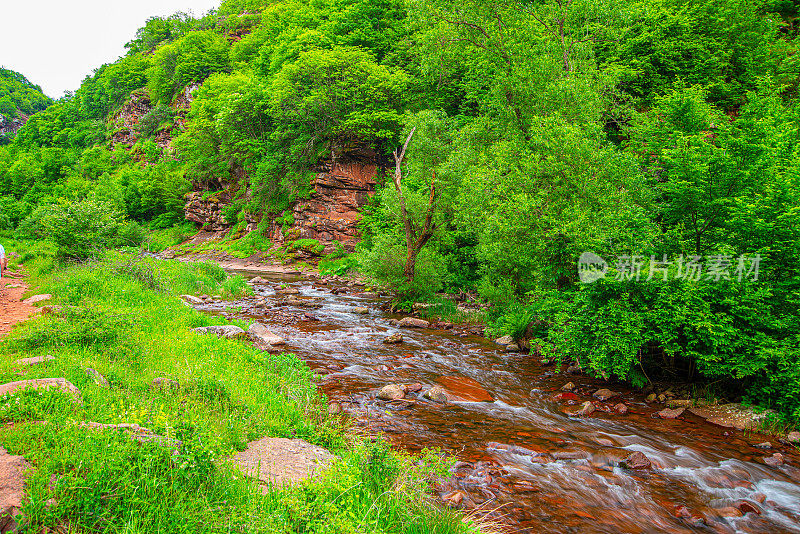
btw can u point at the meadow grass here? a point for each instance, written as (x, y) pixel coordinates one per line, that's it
(122, 317)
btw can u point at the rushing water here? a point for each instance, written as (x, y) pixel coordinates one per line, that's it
(521, 454)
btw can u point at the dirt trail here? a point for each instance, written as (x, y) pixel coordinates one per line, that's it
(12, 309)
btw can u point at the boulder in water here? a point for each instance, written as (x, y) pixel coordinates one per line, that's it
(360, 310)
(621, 408)
(413, 322)
(391, 392)
(436, 393)
(393, 339)
(776, 460)
(587, 408)
(669, 413)
(569, 386)
(605, 394)
(636, 460)
(263, 333)
(505, 340)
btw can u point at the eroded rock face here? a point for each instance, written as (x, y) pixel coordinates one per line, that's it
(342, 186)
(128, 117)
(9, 126)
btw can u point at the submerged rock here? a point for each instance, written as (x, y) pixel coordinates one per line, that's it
(465, 389)
(669, 413)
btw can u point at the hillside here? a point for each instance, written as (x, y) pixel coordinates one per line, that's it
(660, 135)
(19, 99)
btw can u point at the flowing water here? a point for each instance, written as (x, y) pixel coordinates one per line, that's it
(520, 452)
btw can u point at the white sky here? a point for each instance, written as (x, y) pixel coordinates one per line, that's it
(57, 43)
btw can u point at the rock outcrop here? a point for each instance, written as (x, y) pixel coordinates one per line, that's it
(341, 188)
(9, 126)
(127, 118)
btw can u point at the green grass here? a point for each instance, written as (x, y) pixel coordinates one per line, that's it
(122, 317)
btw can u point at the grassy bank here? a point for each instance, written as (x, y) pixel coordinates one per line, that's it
(121, 316)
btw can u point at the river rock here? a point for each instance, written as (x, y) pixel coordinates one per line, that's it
(731, 415)
(669, 413)
(334, 408)
(391, 392)
(191, 299)
(575, 369)
(651, 397)
(587, 408)
(729, 511)
(36, 360)
(765, 445)
(604, 394)
(414, 388)
(226, 331)
(569, 386)
(360, 310)
(680, 403)
(43, 383)
(793, 437)
(413, 322)
(257, 280)
(287, 291)
(621, 408)
(636, 460)
(436, 393)
(512, 347)
(393, 339)
(776, 460)
(263, 333)
(12, 489)
(748, 507)
(505, 340)
(464, 389)
(98, 379)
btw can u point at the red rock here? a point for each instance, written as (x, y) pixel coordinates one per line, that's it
(565, 397)
(747, 507)
(604, 394)
(636, 460)
(463, 388)
(587, 408)
(12, 488)
(620, 408)
(775, 460)
(669, 413)
(729, 511)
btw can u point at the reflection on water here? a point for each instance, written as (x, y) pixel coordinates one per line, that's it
(521, 454)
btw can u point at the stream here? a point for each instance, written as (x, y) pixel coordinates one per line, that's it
(521, 455)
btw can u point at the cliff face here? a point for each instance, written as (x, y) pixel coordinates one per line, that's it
(126, 120)
(9, 126)
(341, 188)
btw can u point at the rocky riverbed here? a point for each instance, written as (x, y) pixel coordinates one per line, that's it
(541, 448)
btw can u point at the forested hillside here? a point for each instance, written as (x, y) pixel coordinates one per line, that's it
(19, 98)
(661, 135)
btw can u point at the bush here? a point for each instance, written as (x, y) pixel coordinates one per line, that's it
(79, 230)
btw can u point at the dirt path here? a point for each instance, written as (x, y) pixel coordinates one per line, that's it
(12, 310)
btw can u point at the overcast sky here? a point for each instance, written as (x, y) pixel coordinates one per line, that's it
(56, 43)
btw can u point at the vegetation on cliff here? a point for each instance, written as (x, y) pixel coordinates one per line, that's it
(658, 134)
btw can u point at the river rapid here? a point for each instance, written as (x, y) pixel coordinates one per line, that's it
(521, 455)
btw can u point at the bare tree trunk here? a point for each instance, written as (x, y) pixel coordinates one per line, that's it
(414, 240)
